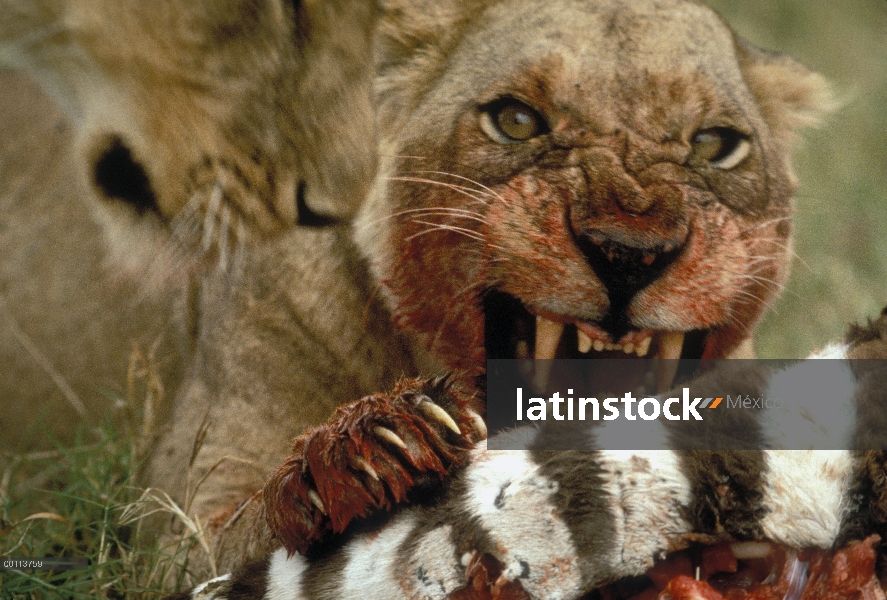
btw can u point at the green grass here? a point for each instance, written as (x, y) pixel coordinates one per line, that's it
(82, 501)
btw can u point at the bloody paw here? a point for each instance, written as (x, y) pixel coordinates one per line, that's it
(367, 458)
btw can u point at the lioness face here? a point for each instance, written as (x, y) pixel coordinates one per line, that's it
(616, 184)
(213, 122)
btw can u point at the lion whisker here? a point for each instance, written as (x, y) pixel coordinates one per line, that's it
(445, 226)
(185, 225)
(778, 242)
(209, 219)
(176, 254)
(448, 162)
(457, 188)
(470, 217)
(492, 193)
(241, 244)
(747, 275)
(737, 321)
(433, 227)
(454, 212)
(443, 211)
(224, 230)
(764, 224)
(464, 166)
(760, 301)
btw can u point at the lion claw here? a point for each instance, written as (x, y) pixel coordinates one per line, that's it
(478, 422)
(389, 436)
(368, 458)
(314, 497)
(433, 411)
(364, 466)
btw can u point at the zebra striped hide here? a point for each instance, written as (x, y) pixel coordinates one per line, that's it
(557, 525)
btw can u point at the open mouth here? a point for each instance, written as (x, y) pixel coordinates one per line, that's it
(513, 332)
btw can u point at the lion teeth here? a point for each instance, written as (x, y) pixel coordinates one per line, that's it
(548, 336)
(665, 373)
(522, 350)
(628, 348)
(584, 342)
(599, 345)
(643, 347)
(671, 343)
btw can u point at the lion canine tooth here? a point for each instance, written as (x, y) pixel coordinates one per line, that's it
(665, 372)
(548, 336)
(643, 347)
(585, 342)
(522, 350)
(670, 345)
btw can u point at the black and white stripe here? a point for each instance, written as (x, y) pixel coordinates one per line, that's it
(564, 522)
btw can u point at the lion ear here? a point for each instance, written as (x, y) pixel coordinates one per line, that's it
(408, 26)
(34, 37)
(413, 40)
(789, 95)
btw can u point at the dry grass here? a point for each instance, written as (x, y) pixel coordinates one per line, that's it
(82, 501)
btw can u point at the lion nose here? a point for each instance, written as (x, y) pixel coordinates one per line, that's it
(625, 265)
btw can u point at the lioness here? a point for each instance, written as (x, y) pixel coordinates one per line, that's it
(618, 182)
(169, 222)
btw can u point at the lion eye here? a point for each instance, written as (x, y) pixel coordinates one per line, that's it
(511, 121)
(722, 147)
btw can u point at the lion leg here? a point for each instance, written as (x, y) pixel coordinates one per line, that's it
(369, 457)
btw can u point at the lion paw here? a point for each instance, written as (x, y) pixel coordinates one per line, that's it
(367, 458)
